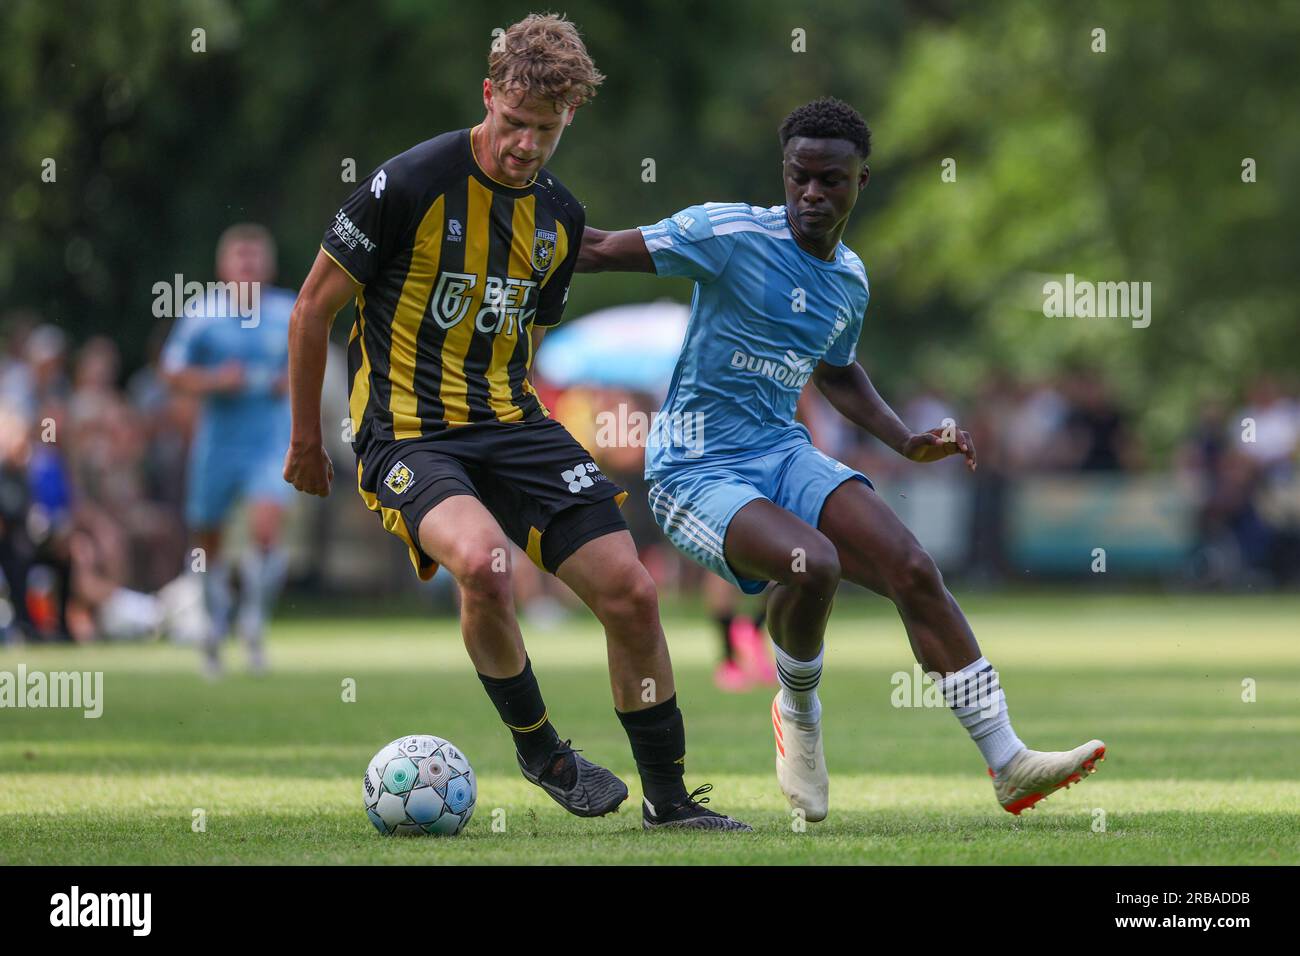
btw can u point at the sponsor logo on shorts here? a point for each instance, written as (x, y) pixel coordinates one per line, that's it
(399, 478)
(581, 476)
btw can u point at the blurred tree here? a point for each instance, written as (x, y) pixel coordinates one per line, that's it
(1116, 165)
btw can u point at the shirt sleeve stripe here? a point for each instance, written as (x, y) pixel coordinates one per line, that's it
(340, 265)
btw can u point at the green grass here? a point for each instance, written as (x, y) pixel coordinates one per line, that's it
(1195, 775)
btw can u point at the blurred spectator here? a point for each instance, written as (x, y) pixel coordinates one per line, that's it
(927, 408)
(102, 606)
(1235, 542)
(993, 427)
(1034, 426)
(166, 418)
(16, 392)
(1276, 418)
(17, 551)
(1096, 435)
(35, 517)
(109, 449)
(92, 479)
(45, 355)
(1248, 525)
(76, 526)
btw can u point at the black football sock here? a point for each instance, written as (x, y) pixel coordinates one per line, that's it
(658, 739)
(518, 700)
(724, 623)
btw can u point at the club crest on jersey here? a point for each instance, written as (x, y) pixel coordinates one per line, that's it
(543, 249)
(399, 478)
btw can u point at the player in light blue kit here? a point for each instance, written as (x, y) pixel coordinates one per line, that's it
(230, 348)
(737, 485)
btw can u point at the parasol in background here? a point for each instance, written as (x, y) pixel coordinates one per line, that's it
(626, 346)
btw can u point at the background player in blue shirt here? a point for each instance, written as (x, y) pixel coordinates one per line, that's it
(738, 486)
(238, 365)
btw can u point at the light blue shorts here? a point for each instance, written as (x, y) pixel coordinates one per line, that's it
(694, 504)
(221, 476)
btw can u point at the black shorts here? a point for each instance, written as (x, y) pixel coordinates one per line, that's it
(532, 476)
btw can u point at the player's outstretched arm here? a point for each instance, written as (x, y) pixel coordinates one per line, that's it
(620, 251)
(326, 289)
(850, 391)
(226, 377)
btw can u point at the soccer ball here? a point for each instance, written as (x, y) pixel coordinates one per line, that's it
(419, 784)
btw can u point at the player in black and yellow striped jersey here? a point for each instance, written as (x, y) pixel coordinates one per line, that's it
(457, 267)
(459, 254)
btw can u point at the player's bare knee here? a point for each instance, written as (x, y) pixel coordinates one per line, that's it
(917, 577)
(484, 573)
(815, 567)
(629, 599)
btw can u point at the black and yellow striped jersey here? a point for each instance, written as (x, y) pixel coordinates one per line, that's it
(455, 269)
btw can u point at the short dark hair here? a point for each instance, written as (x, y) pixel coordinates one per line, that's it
(828, 118)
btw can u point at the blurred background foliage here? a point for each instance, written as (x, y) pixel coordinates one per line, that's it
(1122, 165)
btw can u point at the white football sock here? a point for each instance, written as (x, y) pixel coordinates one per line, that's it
(261, 574)
(217, 600)
(975, 696)
(799, 680)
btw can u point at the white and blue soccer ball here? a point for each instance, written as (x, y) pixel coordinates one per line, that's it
(419, 784)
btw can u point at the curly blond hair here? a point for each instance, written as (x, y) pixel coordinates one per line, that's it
(542, 56)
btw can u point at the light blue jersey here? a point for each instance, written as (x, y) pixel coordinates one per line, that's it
(238, 450)
(763, 314)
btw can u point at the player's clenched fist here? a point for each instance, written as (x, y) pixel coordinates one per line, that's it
(308, 468)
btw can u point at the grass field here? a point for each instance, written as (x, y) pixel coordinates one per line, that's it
(1194, 774)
